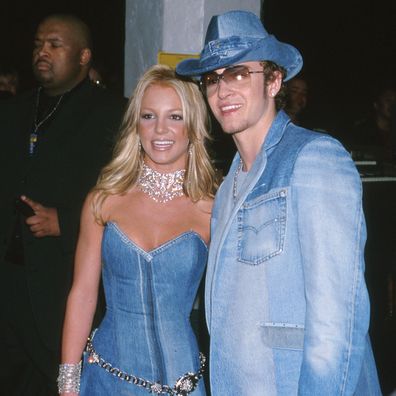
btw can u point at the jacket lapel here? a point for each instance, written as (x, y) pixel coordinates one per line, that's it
(225, 212)
(225, 209)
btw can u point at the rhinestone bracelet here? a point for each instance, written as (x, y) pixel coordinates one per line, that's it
(69, 378)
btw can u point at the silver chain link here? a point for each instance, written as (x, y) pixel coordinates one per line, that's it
(185, 385)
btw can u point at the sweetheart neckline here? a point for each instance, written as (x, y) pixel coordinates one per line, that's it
(159, 247)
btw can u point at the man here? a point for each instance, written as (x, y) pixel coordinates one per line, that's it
(371, 137)
(9, 81)
(296, 98)
(55, 139)
(286, 303)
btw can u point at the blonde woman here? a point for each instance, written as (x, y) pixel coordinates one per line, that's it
(145, 226)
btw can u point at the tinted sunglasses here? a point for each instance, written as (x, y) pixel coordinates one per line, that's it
(234, 77)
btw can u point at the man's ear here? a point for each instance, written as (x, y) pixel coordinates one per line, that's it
(85, 56)
(276, 84)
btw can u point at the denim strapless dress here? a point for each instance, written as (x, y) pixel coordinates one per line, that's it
(149, 297)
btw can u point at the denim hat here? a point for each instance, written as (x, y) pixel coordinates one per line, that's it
(236, 37)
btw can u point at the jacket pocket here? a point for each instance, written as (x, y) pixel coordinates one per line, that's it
(283, 335)
(262, 227)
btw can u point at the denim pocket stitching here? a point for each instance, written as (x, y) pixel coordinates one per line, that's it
(279, 217)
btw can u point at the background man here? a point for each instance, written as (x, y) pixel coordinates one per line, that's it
(296, 98)
(9, 82)
(286, 302)
(371, 137)
(54, 141)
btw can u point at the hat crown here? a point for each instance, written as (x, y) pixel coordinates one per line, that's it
(236, 37)
(235, 23)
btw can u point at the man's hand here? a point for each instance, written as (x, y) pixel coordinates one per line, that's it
(45, 221)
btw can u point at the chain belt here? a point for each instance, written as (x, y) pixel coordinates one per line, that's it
(184, 385)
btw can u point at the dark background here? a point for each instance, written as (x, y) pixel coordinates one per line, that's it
(348, 49)
(106, 18)
(348, 46)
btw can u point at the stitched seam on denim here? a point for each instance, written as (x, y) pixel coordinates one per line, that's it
(171, 242)
(283, 324)
(143, 280)
(284, 336)
(127, 241)
(266, 197)
(217, 47)
(280, 195)
(150, 255)
(268, 256)
(356, 278)
(157, 338)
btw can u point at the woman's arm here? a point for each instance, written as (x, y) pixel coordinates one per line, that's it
(81, 303)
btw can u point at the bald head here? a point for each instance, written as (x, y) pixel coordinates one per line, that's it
(62, 54)
(79, 28)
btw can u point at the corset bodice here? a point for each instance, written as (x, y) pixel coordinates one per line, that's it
(149, 297)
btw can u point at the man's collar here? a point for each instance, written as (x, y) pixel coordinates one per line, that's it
(276, 130)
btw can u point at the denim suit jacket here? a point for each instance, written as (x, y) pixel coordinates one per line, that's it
(286, 301)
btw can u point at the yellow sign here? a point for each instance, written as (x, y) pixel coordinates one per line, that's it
(171, 59)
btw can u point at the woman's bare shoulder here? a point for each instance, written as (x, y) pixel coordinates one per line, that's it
(205, 205)
(116, 204)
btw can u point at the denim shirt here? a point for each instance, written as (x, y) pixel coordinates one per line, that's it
(286, 302)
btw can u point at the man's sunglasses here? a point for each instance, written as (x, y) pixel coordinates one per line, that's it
(234, 77)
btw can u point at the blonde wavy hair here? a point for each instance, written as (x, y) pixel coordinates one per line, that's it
(124, 169)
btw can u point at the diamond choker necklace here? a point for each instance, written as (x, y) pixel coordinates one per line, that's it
(161, 187)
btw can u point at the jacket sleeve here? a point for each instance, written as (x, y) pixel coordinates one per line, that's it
(332, 235)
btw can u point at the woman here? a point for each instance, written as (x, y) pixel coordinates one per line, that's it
(146, 227)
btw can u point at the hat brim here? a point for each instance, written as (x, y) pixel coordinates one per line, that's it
(267, 49)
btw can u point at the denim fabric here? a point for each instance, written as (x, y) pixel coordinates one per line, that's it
(286, 301)
(149, 296)
(239, 36)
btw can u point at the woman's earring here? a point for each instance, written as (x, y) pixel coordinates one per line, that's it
(139, 146)
(190, 150)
